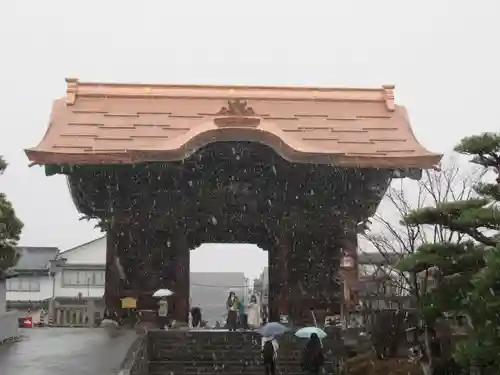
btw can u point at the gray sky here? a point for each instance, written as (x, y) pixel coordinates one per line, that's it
(443, 56)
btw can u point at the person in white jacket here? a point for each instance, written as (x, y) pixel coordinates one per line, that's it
(254, 313)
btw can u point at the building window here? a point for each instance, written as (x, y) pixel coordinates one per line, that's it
(23, 284)
(83, 278)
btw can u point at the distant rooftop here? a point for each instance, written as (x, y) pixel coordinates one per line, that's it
(376, 258)
(34, 258)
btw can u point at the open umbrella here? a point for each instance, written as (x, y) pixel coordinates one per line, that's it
(272, 329)
(109, 323)
(160, 293)
(306, 332)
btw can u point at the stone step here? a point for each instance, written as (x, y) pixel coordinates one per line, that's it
(210, 371)
(210, 367)
(211, 341)
(221, 340)
(196, 371)
(234, 353)
(214, 346)
(205, 346)
(202, 355)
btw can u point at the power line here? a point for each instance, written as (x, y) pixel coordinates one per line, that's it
(221, 286)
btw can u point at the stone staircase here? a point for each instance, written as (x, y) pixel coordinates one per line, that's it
(220, 352)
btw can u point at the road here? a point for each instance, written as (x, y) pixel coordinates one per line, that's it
(65, 351)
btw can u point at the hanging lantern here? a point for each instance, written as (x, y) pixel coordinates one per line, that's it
(348, 262)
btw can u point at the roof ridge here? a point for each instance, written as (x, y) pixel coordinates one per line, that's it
(81, 245)
(37, 247)
(76, 88)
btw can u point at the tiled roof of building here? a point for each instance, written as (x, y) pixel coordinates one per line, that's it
(34, 258)
(376, 258)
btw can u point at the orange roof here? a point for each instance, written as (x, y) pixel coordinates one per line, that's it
(98, 123)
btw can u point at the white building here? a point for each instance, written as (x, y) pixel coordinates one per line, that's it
(9, 327)
(82, 274)
(33, 286)
(79, 278)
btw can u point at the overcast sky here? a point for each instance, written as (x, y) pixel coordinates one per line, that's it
(443, 56)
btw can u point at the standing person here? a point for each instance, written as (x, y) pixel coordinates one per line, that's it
(242, 314)
(270, 348)
(163, 312)
(254, 313)
(265, 315)
(313, 358)
(232, 311)
(196, 317)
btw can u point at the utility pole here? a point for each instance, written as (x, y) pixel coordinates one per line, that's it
(54, 266)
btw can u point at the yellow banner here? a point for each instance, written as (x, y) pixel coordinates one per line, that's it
(129, 303)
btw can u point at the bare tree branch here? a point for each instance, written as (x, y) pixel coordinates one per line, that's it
(392, 240)
(388, 240)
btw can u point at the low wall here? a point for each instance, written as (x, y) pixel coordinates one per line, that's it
(136, 361)
(9, 326)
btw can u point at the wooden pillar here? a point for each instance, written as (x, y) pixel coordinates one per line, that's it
(181, 282)
(113, 285)
(274, 285)
(167, 267)
(328, 257)
(126, 265)
(279, 291)
(316, 285)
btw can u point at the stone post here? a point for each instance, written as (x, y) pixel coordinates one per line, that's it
(91, 312)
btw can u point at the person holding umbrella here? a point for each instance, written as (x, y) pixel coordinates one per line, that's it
(163, 312)
(307, 332)
(270, 348)
(162, 294)
(312, 357)
(270, 345)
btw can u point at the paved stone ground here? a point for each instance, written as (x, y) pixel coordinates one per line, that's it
(65, 351)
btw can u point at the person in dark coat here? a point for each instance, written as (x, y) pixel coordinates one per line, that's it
(270, 348)
(232, 311)
(196, 316)
(313, 358)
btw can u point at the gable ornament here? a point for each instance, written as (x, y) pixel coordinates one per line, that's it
(236, 113)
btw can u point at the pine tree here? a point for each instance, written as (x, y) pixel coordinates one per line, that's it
(466, 274)
(10, 229)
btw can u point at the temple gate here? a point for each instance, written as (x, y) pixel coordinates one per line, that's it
(165, 168)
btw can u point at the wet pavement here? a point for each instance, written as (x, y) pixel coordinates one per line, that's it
(65, 351)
